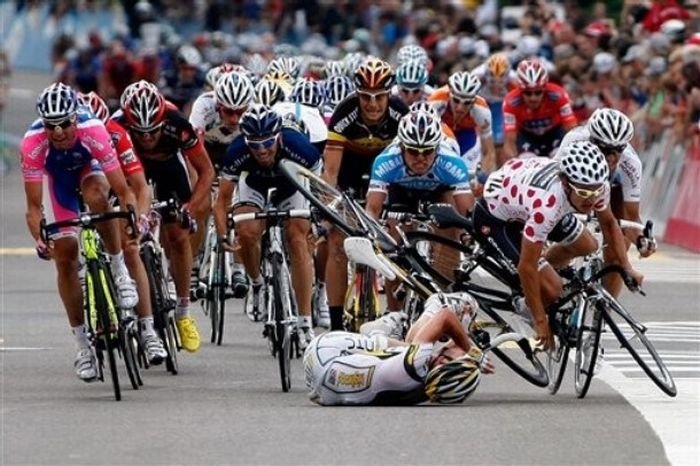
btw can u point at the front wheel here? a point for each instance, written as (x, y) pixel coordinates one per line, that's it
(587, 348)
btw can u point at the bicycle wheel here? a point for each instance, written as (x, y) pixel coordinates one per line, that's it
(520, 356)
(170, 340)
(130, 351)
(282, 305)
(325, 198)
(105, 305)
(587, 347)
(220, 291)
(557, 358)
(631, 335)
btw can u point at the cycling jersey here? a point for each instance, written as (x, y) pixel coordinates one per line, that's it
(254, 181)
(181, 92)
(310, 116)
(91, 154)
(627, 175)
(530, 191)
(361, 143)
(554, 111)
(124, 147)
(343, 368)
(205, 118)
(448, 171)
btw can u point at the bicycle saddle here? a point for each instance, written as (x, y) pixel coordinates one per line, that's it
(445, 216)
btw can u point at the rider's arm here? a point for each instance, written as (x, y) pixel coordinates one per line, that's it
(33, 193)
(201, 163)
(630, 211)
(374, 203)
(139, 185)
(488, 155)
(117, 182)
(613, 237)
(223, 200)
(530, 253)
(444, 322)
(463, 202)
(510, 149)
(510, 128)
(332, 156)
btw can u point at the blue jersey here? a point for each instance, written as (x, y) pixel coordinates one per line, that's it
(292, 145)
(448, 172)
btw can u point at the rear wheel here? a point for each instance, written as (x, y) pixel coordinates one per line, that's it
(282, 308)
(108, 327)
(130, 347)
(220, 291)
(587, 348)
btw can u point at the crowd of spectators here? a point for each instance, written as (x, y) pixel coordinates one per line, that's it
(643, 59)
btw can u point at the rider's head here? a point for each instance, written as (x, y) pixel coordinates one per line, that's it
(57, 107)
(145, 112)
(532, 79)
(453, 381)
(419, 135)
(464, 87)
(411, 78)
(373, 80)
(610, 130)
(96, 105)
(233, 92)
(261, 128)
(584, 173)
(268, 92)
(337, 88)
(308, 92)
(498, 66)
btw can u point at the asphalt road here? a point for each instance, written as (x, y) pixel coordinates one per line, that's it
(226, 405)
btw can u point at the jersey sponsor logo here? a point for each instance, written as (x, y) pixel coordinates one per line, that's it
(394, 114)
(566, 110)
(345, 378)
(127, 157)
(453, 169)
(93, 143)
(630, 170)
(38, 149)
(385, 167)
(509, 119)
(545, 177)
(343, 124)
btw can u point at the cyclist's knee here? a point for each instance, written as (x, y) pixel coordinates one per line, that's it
(65, 253)
(551, 285)
(95, 192)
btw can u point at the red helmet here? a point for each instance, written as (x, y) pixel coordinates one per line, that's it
(145, 108)
(95, 103)
(532, 74)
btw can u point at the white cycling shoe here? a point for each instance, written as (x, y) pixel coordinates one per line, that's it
(390, 325)
(85, 367)
(154, 349)
(126, 289)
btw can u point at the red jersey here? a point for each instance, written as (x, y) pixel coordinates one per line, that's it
(125, 150)
(555, 110)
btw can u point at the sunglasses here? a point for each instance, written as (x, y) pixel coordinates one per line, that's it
(229, 112)
(63, 124)
(407, 90)
(372, 96)
(587, 193)
(533, 93)
(608, 149)
(146, 131)
(257, 144)
(462, 100)
(416, 152)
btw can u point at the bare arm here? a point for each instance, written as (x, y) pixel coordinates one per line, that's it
(33, 193)
(444, 322)
(488, 155)
(510, 149)
(530, 278)
(139, 185)
(463, 202)
(223, 200)
(332, 157)
(199, 159)
(613, 237)
(120, 187)
(374, 203)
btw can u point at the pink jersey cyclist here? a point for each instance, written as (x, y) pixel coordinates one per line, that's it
(91, 154)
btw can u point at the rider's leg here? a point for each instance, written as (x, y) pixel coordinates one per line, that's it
(248, 235)
(297, 231)
(560, 254)
(336, 277)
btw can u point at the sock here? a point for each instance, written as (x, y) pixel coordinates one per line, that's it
(305, 321)
(146, 325)
(321, 285)
(80, 332)
(336, 317)
(117, 264)
(182, 308)
(258, 281)
(238, 268)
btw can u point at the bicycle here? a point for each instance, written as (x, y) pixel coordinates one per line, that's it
(162, 302)
(280, 302)
(110, 330)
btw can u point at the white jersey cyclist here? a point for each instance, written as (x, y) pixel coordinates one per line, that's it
(530, 191)
(312, 118)
(628, 174)
(494, 89)
(205, 118)
(343, 368)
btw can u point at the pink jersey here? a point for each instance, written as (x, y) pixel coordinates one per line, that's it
(531, 192)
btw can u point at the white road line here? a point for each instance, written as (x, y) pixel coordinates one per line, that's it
(18, 348)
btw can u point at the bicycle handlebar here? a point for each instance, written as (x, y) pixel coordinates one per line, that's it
(272, 214)
(88, 219)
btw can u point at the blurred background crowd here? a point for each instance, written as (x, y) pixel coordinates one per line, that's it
(639, 56)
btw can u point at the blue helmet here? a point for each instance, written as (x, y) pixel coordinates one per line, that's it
(308, 92)
(56, 102)
(260, 122)
(412, 74)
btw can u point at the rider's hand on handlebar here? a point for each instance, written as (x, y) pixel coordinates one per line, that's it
(646, 246)
(636, 279)
(43, 250)
(544, 334)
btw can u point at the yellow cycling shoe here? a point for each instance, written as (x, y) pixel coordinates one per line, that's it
(189, 335)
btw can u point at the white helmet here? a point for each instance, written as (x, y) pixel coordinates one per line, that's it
(453, 381)
(424, 106)
(464, 84)
(56, 102)
(95, 103)
(532, 74)
(582, 162)
(420, 129)
(189, 55)
(269, 92)
(233, 90)
(133, 87)
(610, 127)
(411, 52)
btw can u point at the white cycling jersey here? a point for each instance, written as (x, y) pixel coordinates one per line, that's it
(628, 173)
(343, 368)
(205, 117)
(530, 191)
(494, 90)
(312, 118)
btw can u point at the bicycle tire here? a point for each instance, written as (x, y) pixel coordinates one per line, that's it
(282, 330)
(584, 369)
(129, 356)
(659, 374)
(102, 306)
(220, 292)
(170, 335)
(556, 366)
(329, 201)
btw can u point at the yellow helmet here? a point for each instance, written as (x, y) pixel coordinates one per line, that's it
(498, 65)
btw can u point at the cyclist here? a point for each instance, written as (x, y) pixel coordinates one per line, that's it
(337, 88)
(417, 168)
(71, 147)
(536, 114)
(527, 202)
(249, 168)
(612, 131)
(343, 368)
(165, 141)
(269, 91)
(412, 82)
(133, 171)
(497, 79)
(185, 82)
(362, 125)
(304, 107)
(469, 117)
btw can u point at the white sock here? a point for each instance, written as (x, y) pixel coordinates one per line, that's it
(305, 321)
(117, 264)
(80, 332)
(238, 268)
(258, 281)
(182, 308)
(146, 325)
